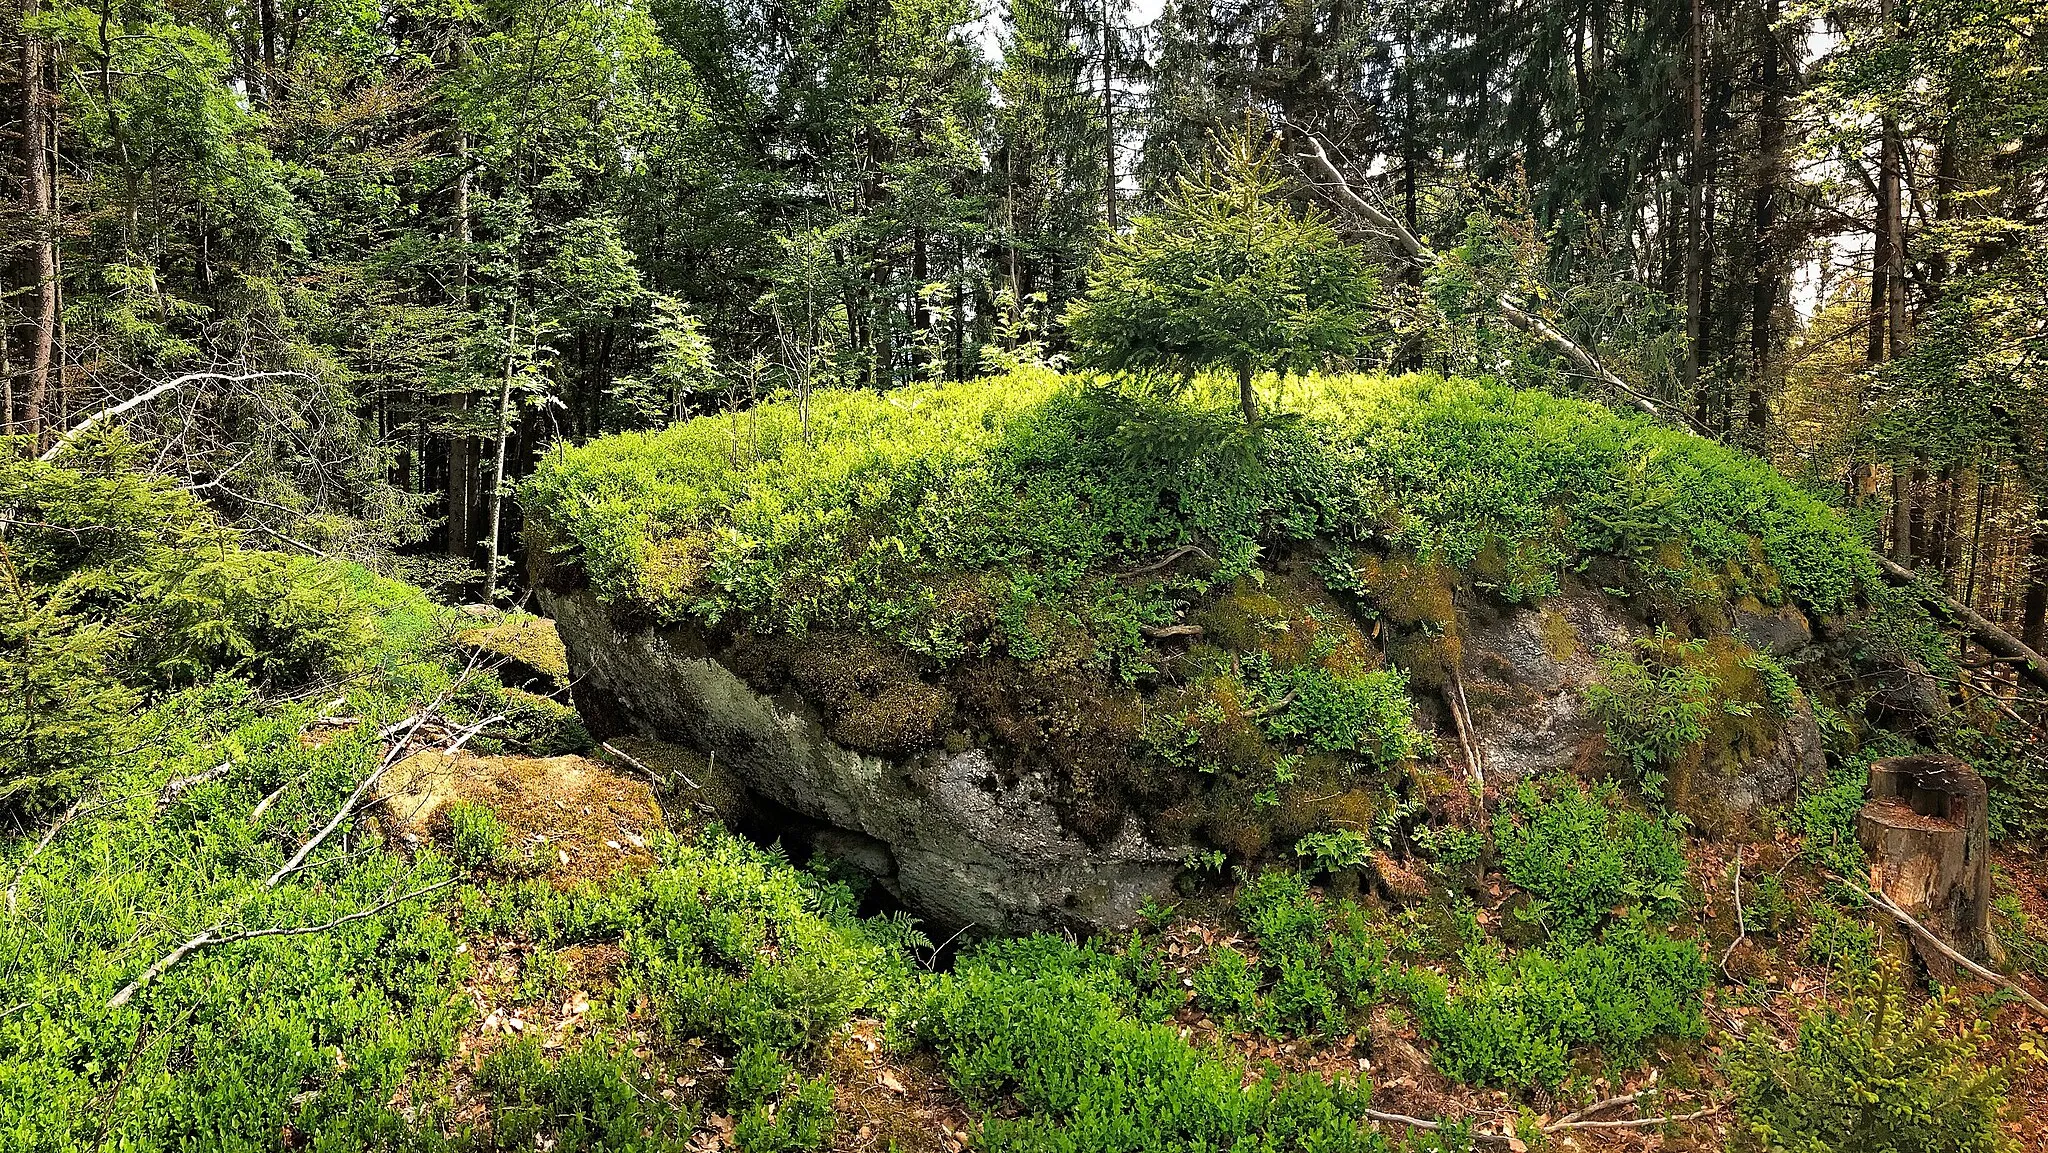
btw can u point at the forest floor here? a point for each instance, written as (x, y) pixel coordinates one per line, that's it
(576, 819)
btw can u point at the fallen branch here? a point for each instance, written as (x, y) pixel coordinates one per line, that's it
(1928, 935)
(1741, 928)
(1566, 1123)
(2031, 664)
(144, 397)
(1601, 1107)
(1168, 559)
(455, 746)
(390, 758)
(213, 936)
(1461, 718)
(637, 763)
(14, 886)
(1423, 1123)
(1313, 156)
(263, 806)
(177, 786)
(1636, 1123)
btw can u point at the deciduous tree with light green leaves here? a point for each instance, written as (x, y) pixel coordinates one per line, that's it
(1225, 275)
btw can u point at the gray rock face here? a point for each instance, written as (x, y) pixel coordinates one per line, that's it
(964, 839)
(946, 832)
(1526, 677)
(1526, 674)
(1779, 632)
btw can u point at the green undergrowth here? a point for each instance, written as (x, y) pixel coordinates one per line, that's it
(1603, 880)
(1061, 1047)
(1876, 1073)
(172, 750)
(1581, 855)
(1031, 493)
(345, 1038)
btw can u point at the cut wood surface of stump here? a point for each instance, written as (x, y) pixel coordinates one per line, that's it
(1926, 832)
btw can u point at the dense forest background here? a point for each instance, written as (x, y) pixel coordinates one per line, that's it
(367, 259)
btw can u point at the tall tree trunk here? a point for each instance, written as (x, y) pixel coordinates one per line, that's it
(1695, 226)
(1247, 399)
(266, 14)
(497, 493)
(39, 267)
(461, 448)
(1916, 513)
(1768, 285)
(959, 320)
(1109, 196)
(920, 308)
(1902, 525)
(2034, 609)
(1411, 273)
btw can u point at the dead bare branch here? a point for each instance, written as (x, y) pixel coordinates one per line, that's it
(1326, 177)
(1741, 927)
(2031, 664)
(390, 758)
(144, 397)
(14, 886)
(1885, 904)
(213, 936)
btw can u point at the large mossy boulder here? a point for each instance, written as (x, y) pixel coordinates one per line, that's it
(1020, 647)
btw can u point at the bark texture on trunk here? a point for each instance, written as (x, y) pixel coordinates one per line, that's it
(38, 271)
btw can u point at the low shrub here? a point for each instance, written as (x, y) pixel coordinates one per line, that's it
(1582, 854)
(1334, 851)
(1367, 713)
(476, 835)
(1873, 1076)
(1516, 1020)
(1227, 987)
(1281, 915)
(800, 1122)
(1839, 939)
(592, 1098)
(1316, 961)
(1655, 710)
(1058, 1065)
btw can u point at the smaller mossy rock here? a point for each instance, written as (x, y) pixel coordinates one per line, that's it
(525, 650)
(569, 818)
(542, 726)
(1779, 631)
(1525, 676)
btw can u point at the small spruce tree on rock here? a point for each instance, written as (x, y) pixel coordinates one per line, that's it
(1226, 274)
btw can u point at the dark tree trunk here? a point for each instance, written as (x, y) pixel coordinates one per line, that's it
(38, 276)
(2034, 609)
(1695, 209)
(1768, 284)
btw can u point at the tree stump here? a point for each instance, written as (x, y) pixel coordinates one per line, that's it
(1929, 843)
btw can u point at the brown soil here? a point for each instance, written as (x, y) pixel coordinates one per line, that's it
(891, 1101)
(570, 818)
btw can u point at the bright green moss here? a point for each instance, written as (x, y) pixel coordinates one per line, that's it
(1050, 490)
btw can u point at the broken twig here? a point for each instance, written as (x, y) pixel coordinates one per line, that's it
(14, 886)
(1741, 927)
(213, 936)
(1928, 935)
